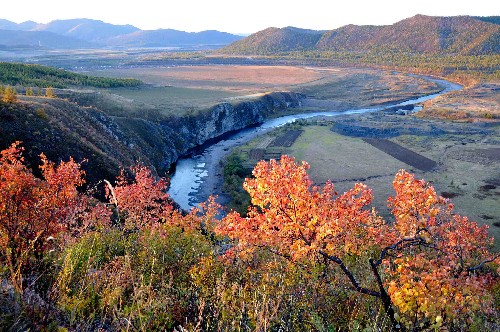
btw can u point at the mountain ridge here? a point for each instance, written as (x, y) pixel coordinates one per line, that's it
(40, 39)
(420, 34)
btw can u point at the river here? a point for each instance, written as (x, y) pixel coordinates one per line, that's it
(191, 183)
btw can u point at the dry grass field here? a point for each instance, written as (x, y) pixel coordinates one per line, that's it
(326, 88)
(242, 79)
(477, 103)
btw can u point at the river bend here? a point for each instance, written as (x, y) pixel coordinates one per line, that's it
(192, 173)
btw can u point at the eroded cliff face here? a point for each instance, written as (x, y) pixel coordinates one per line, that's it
(83, 127)
(188, 132)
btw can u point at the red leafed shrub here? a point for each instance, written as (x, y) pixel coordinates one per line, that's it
(33, 211)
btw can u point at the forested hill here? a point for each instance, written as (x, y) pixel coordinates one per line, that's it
(42, 76)
(489, 19)
(461, 35)
(275, 40)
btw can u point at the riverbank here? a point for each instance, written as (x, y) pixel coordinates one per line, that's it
(194, 182)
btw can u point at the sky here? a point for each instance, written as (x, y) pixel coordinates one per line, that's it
(242, 16)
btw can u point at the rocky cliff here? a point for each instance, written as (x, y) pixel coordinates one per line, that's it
(194, 130)
(82, 127)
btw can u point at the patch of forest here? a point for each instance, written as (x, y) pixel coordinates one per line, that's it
(43, 77)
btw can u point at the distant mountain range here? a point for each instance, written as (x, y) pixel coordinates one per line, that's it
(86, 33)
(465, 35)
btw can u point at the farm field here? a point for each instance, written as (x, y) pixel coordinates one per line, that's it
(478, 102)
(467, 167)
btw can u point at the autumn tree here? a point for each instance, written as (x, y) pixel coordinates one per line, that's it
(427, 268)
(29, 92)
(33, 211)
(140, 201)
(9, 96)
(49, 92)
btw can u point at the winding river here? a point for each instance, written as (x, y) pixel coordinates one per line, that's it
(192, 173)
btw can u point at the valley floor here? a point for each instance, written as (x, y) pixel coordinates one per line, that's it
(462, 157)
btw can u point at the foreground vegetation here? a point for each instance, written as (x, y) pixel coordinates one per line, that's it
(305, 258)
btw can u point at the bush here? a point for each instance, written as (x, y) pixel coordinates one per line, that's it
(33, 211)
(40, 113)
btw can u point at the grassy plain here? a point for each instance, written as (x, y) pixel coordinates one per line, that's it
(185, 88)
(171, 99)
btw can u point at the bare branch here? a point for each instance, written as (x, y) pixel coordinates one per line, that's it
(349, 275)
(401, 244)
(477, 267)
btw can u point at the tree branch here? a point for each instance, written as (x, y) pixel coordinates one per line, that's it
(404, 243)
(349, 275)
(477, 267)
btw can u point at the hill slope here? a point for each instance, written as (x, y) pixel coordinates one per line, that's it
(464, 35)
(273, 40)
(40, 39)
(29, 75)
(25, 26)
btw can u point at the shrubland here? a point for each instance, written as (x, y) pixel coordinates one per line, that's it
(303, 258)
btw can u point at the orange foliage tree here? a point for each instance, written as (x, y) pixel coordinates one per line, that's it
(429, 265)
(33, 211)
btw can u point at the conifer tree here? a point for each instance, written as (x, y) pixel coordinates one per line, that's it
(49, 92)
(9, 95)
(29, 92)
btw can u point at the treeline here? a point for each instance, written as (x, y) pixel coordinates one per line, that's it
(460, 68)
(478, 67)
(41, 76)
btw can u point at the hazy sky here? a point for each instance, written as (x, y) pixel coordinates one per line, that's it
(241, 16)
